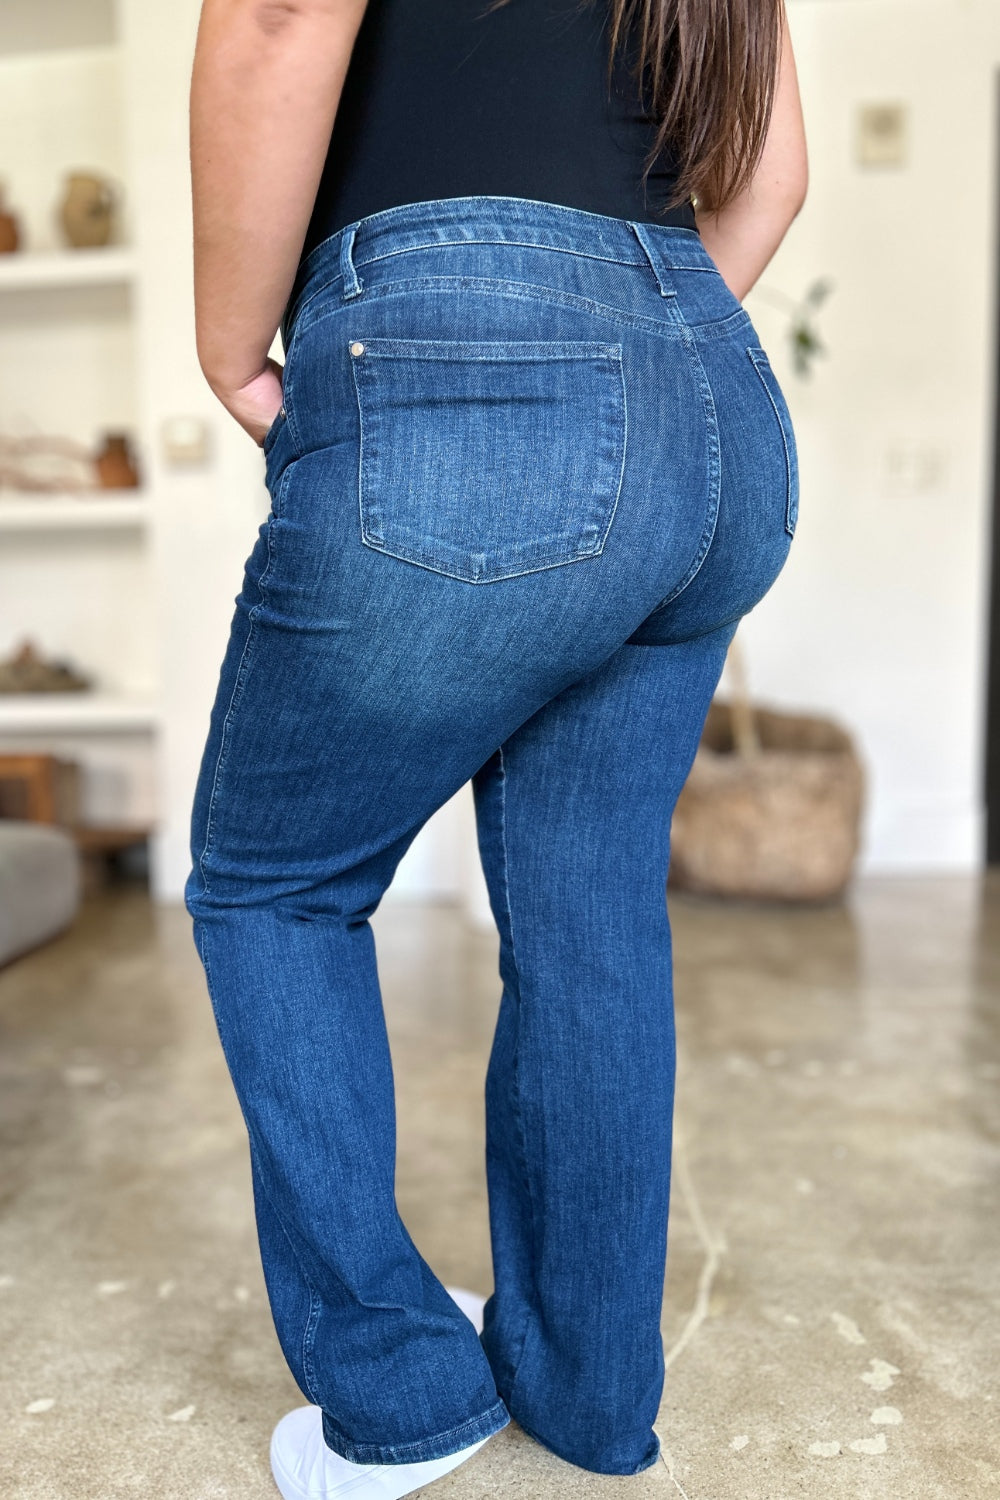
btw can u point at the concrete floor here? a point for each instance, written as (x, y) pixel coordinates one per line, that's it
(831, 1317)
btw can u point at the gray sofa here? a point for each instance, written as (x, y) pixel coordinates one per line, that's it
(39, 885)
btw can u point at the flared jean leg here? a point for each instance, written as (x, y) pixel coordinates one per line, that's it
(369, 1332)
(574, 824)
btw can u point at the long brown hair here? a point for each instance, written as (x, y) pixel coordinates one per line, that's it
(706, 70)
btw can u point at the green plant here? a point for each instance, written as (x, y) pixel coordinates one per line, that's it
(802, 334)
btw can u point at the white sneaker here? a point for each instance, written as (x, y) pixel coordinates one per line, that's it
(304, 1468)
(471, 1304)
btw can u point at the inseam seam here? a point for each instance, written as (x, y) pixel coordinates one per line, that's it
(516, 1060)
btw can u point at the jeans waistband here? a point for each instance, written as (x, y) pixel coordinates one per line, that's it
(495, 220)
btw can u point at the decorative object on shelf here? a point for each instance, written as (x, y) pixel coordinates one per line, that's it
(772, 807)
(87, 209)
(116, 465)
(27, 671)
(53, 465)
(46, 465)
(805, 341)
(10, 229)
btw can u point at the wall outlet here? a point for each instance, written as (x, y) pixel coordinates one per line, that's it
(184, 440)
(915, 471)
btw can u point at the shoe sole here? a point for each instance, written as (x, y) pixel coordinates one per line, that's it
(381, 1482)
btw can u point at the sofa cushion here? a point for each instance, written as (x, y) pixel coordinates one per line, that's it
(39, 885)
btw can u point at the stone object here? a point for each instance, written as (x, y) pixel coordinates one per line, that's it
(86, 210)
(27, 671)
(778, 823)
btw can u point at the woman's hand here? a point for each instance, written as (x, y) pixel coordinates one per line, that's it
(255, 404)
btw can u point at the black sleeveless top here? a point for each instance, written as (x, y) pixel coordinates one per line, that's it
(445, 98)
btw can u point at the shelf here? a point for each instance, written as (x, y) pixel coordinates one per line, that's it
(74, 713)
(71, 513)
(26, 271)
(29, 29)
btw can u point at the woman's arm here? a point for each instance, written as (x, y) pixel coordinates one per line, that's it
(266, 84)
(744, 236)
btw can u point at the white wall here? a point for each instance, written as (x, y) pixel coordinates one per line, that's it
(880, 614)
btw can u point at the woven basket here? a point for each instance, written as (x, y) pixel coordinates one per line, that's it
(771, 809)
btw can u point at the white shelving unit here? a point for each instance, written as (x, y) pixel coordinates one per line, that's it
(74, 713)
(77, 575)
(31, 271)
(72, 513)
(136, 590)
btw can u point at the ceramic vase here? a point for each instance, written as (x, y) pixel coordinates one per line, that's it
(10, 231)
(86, 210)
(116, 466)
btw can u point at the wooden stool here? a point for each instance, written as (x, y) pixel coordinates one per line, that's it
(39, 789)
(44, 789)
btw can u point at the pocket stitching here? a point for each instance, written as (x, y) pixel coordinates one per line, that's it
(670, 326)
(271, 435)
(485, 351)
(762, 365)
(713, 473)
(480, 351)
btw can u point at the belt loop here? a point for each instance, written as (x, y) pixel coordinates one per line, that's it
(352, 285)
(656, 265)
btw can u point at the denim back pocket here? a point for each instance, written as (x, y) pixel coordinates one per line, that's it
(484, 461)
(769, 380)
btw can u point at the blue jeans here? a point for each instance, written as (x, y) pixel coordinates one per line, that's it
(532, 468)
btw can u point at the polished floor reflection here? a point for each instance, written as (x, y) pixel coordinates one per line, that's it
(831, 1318)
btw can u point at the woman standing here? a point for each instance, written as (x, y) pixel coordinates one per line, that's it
(528, 466)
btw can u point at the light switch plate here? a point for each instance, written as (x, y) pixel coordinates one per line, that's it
(882, 135)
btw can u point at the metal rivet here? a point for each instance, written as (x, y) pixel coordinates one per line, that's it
(357, 349)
